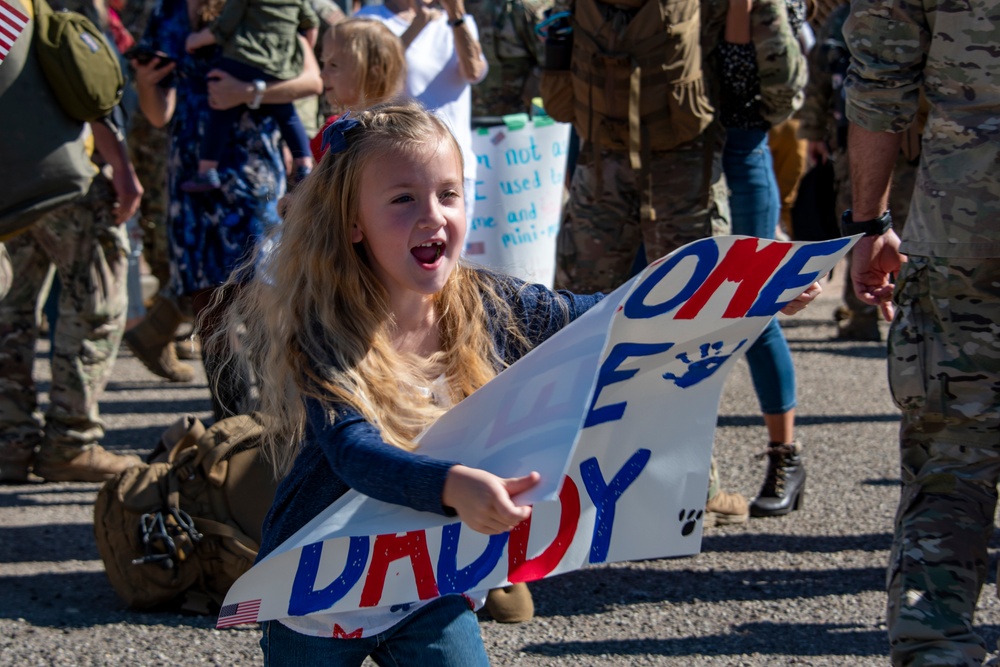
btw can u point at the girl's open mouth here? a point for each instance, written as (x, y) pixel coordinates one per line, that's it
(428, 253)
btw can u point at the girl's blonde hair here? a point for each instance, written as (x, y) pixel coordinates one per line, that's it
(379, 58)
(315, 321)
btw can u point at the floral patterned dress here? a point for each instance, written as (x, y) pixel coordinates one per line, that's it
(210, 233)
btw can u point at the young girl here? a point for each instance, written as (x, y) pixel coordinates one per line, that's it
(363, 65)
(366, 328)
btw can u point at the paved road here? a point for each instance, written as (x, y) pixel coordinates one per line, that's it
(801, 590)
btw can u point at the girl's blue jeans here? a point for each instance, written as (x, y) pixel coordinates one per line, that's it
(444, 633)
(755, 205)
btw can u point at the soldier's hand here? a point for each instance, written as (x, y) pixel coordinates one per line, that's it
(129, 192)
(875, 259)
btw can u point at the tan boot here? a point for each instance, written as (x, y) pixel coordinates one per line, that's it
(188, 349)
(510, 604)
(94, 464)
(725, 508)
(152, 342)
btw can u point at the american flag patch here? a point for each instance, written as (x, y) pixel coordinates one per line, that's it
(12, 22)
(475, 248)
(236, 614)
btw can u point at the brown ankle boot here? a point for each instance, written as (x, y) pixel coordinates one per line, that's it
(510, 604)
(94, 464)
(152, 342)
(725, 509)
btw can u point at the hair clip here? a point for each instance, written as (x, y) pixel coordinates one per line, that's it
(333, 136)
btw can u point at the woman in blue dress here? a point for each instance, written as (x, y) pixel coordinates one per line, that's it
(211, 232)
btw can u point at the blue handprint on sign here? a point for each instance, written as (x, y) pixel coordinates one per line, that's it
(709, 362)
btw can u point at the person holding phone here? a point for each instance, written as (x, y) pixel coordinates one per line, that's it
(210, 232)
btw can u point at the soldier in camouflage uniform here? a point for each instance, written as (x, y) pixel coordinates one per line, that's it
(944, 343)
(513, 51)
(824, 124)
(88, 246)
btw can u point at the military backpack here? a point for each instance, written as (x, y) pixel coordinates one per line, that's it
(179, 530)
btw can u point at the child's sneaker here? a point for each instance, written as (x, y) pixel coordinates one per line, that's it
(203, 182)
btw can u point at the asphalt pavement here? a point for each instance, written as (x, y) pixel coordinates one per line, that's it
(805, 589)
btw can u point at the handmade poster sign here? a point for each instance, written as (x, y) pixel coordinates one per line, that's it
(521, 167)
(617, 412)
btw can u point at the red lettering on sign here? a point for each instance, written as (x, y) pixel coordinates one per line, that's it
(389, 548)
(743, 264)
(520, 567)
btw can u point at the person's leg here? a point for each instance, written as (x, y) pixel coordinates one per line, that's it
(283, 647)
(600, 228)
(788, 153)
(944, 374)
(90, 252)
(294, 134)
(20, 426)
(444, 633)
(755, 209)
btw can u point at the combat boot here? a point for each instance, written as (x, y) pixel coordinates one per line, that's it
(724, 509)
(510, 604)
(152, 342)
(188, 348)
(93, 464)
(785, 481)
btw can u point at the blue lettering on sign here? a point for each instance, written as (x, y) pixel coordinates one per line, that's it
(701, 369)
(518, 185)
(605, 496)
(483, 160)
(789, 276)
(707, 253)
(304, 599)
(454, 580)
(515, 156)
(609, 374)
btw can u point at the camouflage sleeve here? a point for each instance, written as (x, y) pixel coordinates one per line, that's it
(814, 116)
(307, 16)
(888, 40)
(780, 62)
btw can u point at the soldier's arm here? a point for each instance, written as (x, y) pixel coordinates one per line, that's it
(780, 63)
(111, 146)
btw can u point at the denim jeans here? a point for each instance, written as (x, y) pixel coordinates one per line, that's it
(755, 206)
(444, 633)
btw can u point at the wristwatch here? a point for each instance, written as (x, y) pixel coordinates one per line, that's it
(259, 86)
(877, 227)
(457, 22)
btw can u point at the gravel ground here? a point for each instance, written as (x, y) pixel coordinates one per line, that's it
(805, 589)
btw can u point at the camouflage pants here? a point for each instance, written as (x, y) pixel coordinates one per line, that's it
(904, 178)
(944, 372)
(90, 255)
(602, 230)
(149, 150)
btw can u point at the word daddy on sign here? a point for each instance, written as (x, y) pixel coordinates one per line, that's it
(519, 188)
(617, 412)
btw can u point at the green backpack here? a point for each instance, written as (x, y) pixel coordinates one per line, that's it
(80, 64)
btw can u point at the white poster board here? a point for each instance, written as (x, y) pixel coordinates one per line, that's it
(617, 412)
(520, 175)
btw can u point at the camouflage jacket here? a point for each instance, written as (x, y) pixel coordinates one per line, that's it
(949, 50)
(822, 112)
(514, 53)
(780, 64)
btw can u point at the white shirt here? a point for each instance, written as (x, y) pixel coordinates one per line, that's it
(434, 77)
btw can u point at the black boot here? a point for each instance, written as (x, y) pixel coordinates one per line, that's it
(785, 483)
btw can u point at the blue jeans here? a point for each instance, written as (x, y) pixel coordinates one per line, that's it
(755, 206)
(444, 633)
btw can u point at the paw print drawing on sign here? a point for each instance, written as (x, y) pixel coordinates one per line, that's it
(700, 369)
(689, 519)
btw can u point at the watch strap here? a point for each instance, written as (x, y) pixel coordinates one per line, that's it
(260, 87)
(875, 227)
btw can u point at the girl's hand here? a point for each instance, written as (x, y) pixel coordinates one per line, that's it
(196, 40)
(802, 300)
(483, 500)
(151, 73)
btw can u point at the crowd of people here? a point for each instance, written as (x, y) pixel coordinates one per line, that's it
(303, 173)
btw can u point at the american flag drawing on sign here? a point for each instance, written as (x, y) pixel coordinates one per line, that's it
(12, 22)
(235, 614)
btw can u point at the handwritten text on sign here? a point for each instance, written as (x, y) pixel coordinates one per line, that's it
(519, 189)
(628, 484)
